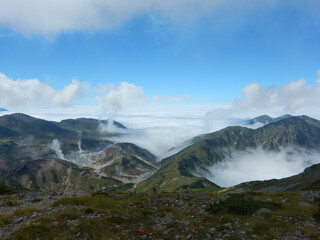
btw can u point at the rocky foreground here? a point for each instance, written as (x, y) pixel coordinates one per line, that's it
(183, 215)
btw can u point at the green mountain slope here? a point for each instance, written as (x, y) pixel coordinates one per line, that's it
(209, 149)
(87, 126)
(7, 133)
(25, 125)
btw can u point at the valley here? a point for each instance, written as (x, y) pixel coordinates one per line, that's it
(87, 181)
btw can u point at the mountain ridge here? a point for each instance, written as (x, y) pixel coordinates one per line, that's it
(79, 139)
(211, 148)
(51, 148)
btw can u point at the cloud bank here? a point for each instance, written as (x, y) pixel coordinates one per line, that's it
(17, 93)
(258, 164)
(162, 141)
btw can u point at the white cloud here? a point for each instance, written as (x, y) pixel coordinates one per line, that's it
(47, 17)
(15, 93)
(121, 97)
(179, 98)
(65, 96)
(258, 164)
(156, 97)
(256, 96)
(293, 97)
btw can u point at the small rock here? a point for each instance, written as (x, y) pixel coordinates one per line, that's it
(263, 210)
(304, 204)
(17, 220)
(158, 227)
(170, 230)
(144, 236)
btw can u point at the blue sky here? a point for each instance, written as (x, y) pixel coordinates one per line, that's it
(207, 54)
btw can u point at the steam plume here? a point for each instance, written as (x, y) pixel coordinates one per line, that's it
(56, 146)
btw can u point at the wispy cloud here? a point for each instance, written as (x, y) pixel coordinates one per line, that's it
(156, 97)
(175, 98)
(54, 17)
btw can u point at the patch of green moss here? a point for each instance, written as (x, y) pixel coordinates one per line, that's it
(237, 204)
(32, 232)
(6, 190)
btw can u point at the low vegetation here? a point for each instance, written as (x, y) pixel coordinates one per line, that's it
(316, 215)
(180, 215)
(6, 190)
(238, 204)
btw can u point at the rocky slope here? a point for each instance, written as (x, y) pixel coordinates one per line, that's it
(39, 154)
(54, 174)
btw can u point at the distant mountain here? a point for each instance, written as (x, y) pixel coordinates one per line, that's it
(206, 150)
(35, 153)
(24, 125)
(309, 179)
(40, 154)
(3, 110)
(265, 119)
(19, 124)
(87, 126)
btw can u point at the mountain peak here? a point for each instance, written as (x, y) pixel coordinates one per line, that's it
(26, 125)
(265, 119)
